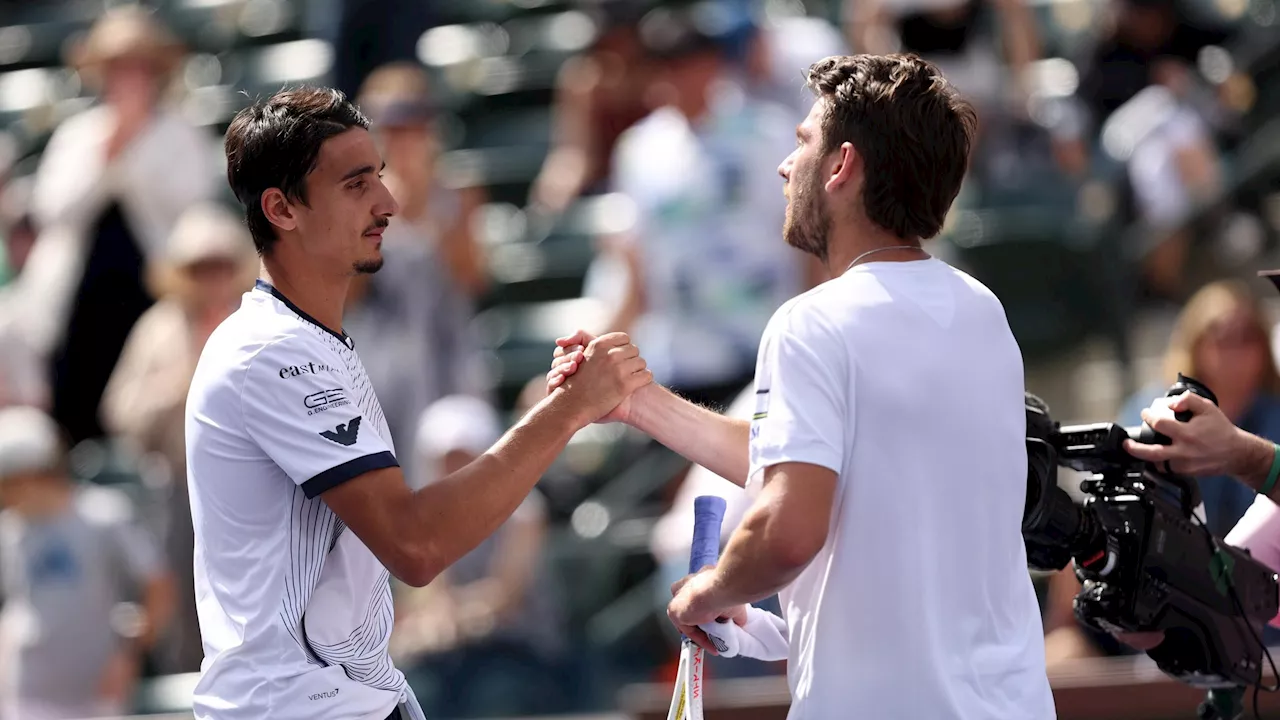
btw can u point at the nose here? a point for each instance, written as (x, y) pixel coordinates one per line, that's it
(785, 168)
(386, 205)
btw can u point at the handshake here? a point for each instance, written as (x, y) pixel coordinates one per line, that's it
(598, 375)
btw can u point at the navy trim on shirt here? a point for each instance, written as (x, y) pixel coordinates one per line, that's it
(267, 287)
(335, 476)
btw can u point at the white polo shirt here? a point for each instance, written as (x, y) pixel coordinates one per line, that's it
(295, 612)
(905, 379)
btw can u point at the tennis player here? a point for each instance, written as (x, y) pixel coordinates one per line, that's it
(299, 506)
(887, 449)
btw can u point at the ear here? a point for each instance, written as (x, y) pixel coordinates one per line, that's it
(846, 169)
(278, 209)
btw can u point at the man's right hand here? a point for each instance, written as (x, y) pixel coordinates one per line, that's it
(1207, 444)
(605, 372)
(570, 355)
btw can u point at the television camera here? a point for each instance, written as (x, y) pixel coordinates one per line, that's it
(1144, 557)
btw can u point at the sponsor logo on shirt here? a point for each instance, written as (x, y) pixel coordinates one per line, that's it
(309, 368)
(324, 695)
(345, 434)
(325, 400)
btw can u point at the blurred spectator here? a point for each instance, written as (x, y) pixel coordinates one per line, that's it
(1175, 169)
(705, 265)
(954, 35)
(110, 187)
(1138, 81)
(209, 264)
(1221, 338)
(397, 98)
(486, 634)
(599, 95)
(1141, 36)
(71, 560)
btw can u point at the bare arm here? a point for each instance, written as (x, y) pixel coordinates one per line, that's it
(867, 27)
(702, 436)
(780, 535)
(419, 534)
(1020, 37)
(564, 172)
(159, 600)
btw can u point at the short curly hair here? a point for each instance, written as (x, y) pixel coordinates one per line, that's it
(912, 129)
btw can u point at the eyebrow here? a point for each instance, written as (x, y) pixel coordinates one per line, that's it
(800, 134)
(362, 170)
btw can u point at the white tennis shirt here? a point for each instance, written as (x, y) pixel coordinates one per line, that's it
(905, 380)
(295, 612)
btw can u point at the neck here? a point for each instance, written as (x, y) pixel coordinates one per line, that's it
(849, 242)
(319, 295)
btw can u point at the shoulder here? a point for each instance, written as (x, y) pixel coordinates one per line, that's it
(257, 342)
(808, 318)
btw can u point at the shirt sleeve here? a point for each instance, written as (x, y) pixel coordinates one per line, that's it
(804, 391)
(1258, 531)
(300, 408)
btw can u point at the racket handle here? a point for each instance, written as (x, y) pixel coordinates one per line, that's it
(708, 514)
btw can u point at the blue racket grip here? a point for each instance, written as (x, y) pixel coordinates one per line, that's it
(708, 514)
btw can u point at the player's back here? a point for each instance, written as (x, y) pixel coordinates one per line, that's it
(921, 605)
(295, 612)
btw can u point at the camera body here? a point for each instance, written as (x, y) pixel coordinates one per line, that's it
(1144, 559)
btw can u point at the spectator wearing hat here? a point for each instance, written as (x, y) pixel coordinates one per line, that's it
(110, 187)
(72, 563)
(485, 633)
(209, 264)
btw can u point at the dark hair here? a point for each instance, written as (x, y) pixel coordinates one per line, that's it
(276, 143)
(911, 128)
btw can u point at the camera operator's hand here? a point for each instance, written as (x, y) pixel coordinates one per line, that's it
(1207, 444)
(1143, 641)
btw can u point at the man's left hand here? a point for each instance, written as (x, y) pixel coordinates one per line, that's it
(693, 604)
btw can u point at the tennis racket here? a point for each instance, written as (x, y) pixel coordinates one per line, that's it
(686, 701)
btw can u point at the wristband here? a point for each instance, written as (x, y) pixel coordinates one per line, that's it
(1275, 471)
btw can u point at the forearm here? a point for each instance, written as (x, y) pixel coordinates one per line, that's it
(706, 438)
(758, 561)
(159, 600)
(451, 517)
(1252, 462)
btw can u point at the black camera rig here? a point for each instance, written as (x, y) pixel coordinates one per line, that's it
(1143, 555)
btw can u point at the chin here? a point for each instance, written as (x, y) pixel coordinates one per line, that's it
(368, 266)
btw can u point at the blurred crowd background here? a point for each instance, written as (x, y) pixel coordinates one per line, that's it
(563, 164)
